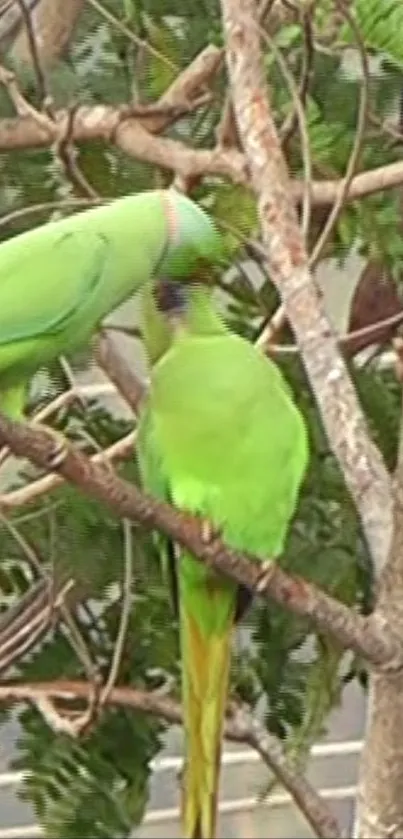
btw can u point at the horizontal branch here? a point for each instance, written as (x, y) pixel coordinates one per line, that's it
(365, 183)
(135, 138)
(240, 728)
(34, 130)
(366, 635)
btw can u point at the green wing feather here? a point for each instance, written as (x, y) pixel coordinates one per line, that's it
(59, 280)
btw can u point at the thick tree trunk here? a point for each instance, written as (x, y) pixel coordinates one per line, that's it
(380, 796)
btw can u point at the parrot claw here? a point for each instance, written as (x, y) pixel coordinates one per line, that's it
(209, 532)
(265, 575)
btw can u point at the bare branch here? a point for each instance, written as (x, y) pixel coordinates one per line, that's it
(131, 35)
(366, 183)
(53, 22)
(125, 613)
(34, 52)
(120, 450)
(317, 814)
(101, 122)
(123, 125)
(369, 636)
(357, 144)
(303, 131)
(363, 467)
(23, 625)
(118, 371)
(239, 727)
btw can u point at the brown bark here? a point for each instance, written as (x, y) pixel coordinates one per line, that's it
(53, 23)
(375, 299)
(369, 636)
(363, 468)
(380, 798)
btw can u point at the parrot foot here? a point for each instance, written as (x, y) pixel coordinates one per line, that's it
(209, 532)
(60, 450)
(265, 575)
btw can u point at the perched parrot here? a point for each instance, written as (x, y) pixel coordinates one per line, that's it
(219, 436)
(58, 281)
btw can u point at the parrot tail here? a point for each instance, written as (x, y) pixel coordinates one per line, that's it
(206, 663)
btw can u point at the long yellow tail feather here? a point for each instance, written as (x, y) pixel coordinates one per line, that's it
(206, 662)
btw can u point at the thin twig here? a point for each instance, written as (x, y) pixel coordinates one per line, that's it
(279, 318)
(358, 139)
(303, 131)
(76, 639)
(371, 332)
(66, 152)
(44, 95)
(62, 204)
(290, 124)
(23, 108)
(124, 615)
(28, 621)
(131, 36)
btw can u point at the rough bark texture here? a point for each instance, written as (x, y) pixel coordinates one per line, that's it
(368, 636)
(361, 462)
(380, 798)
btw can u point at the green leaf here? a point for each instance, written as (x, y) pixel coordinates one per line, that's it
(380, 23)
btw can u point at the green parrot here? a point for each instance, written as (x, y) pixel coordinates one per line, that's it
(219, 436)
(58, 281)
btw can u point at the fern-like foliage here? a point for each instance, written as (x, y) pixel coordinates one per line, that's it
(380, 23)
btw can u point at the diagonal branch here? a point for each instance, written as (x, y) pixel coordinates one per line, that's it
(118, 370)
(23, 625)
(363, 468)
(240, 728)
(369, 636)
(54, 22)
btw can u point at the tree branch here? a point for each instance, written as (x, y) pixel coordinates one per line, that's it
(120, 450)
(118, 371)
(239, 728)
(133, 136)
(23, 625)
(53, 22)
(361, 462)
(369, 636)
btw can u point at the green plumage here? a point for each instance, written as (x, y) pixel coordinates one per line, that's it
(220, 437)
(58, 281)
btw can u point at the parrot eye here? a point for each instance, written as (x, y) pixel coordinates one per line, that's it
(169, 296)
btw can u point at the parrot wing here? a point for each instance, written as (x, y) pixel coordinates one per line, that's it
(42, 287)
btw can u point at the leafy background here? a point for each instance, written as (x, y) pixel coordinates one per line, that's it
(98, 786)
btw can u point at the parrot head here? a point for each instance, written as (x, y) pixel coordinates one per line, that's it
(183, 273)
(193, 241)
